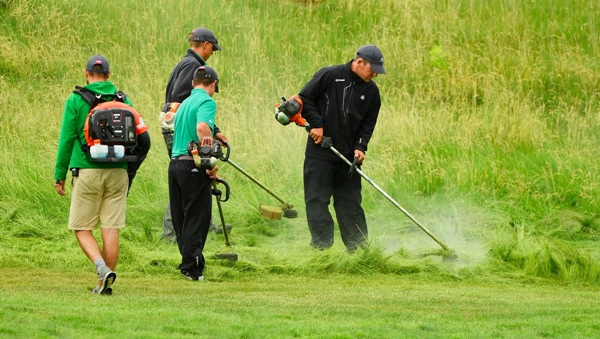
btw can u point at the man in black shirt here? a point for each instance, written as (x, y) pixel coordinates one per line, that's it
(202, 44)
(341, 102)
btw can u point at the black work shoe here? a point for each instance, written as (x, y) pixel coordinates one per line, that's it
(190, 276)
(320, 246)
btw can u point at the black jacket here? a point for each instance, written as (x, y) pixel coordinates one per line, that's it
(179, 86)
(347, 107)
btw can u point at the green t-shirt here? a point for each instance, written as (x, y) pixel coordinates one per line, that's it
(75, 113)
(198, 107)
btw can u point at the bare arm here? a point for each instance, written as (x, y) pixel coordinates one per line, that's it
(203, 130)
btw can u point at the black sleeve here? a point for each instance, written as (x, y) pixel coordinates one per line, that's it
(143, 146)
(182, 85)
(141, 150)
(310, 95)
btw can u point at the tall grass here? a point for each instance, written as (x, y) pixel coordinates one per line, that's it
(488, 131)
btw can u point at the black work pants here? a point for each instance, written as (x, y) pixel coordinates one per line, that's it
(322, 180)
(191, 206)
(168, 231)
(168, 136)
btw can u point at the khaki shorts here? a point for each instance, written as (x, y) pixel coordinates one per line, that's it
(99, 195)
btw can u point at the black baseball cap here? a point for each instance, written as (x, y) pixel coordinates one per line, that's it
(97, 64)
(207, 72)
(374, 56)
(204, 34)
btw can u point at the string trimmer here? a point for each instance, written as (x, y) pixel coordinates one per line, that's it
(272, 212)
(205, 154)
(231, 256)
(290, 111)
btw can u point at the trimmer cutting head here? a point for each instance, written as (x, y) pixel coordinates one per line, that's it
(445, 254)
(290, 213)
(275, 212)
(227, 256)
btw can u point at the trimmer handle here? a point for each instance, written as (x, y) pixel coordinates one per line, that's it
(217, 192)
(353, 166)
(326, 142)
(225, 156)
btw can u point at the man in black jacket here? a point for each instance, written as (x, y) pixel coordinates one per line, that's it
(202, 44)
(341, 102)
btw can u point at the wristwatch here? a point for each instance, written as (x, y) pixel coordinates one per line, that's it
(57, 182)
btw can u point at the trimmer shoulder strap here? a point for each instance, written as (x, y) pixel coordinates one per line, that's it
(93, 99)
(88, 96)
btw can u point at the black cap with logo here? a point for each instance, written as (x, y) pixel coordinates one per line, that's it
(207, 72)
(204, 34)
(374, 56)
(97, 64)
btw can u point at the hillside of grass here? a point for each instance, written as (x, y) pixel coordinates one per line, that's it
(488, 132)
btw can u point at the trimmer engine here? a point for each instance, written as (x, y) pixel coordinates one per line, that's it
(207, 152)
(290, 111)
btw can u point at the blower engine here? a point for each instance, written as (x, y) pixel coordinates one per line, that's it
(167, 115)
(290, 111)
(207, 152)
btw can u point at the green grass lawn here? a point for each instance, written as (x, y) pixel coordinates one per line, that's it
(50, 303)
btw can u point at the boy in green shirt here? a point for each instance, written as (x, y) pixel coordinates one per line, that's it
(189, 186)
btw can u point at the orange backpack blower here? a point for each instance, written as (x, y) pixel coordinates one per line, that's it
(112, 126)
